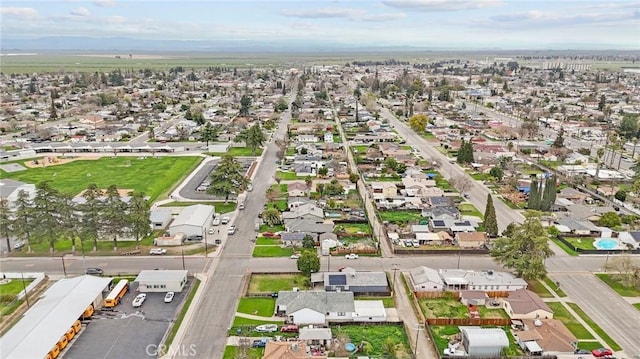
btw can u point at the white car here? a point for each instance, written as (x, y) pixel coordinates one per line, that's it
(232, 229)
(212, 231)
(295, 256)
(169, 297)
(216, 221)
(225, 220)
(137, 302)
(351, 256)
(267, 328)
(249, 188)
(157, 251)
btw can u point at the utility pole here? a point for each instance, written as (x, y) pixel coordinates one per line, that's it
(329, 261)
(395, 274)
(64, 268)
(183, 266)
(415, 350)
(24, 287)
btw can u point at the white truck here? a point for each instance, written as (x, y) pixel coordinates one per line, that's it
(242, 197)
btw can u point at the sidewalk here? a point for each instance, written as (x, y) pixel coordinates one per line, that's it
(257, 317)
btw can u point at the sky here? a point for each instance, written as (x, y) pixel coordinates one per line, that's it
(462, 24)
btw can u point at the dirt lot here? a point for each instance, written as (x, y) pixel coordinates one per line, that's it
(55, 160)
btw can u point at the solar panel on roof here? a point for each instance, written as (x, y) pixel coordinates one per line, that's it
(337, 279)
(438, 223)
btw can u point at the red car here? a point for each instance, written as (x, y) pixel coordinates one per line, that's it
(289, 328)
(601, 352)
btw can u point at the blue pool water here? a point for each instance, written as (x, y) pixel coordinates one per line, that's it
(606, 243)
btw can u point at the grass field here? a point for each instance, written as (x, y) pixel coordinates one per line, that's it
(596, 328)
(221, 207)
(238, 152)
(468, 209)
(269, 283)
(537, 287)
(272, 251)
(555, 287)
(443, 308)
(399, 216)
(153, 176)
(581, 242)
(14, 287)
(563, 315)
(637, 305)
(263, 307)
(375, 336)
(616, 284)
(265, 241)
(231, 352)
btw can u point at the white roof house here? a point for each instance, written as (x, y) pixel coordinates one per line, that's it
(43, 325)
(426, 279)
(369, 311)
(193, 220)
(161, 280)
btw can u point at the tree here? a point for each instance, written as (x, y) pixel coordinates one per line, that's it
(245, 105)
(23, 218)
(271, 216)
(91, 218)
(465, 153)
(5, 222)
(308, 263)
(353, 177)
(626, 270)
(357, 95)
(419, 122)
(559, 141)
(46, 208)
(389, 348)
(282, 105)
(53, 113)
(209, 133)
(490, 218)
(548, 194)
(138, 213)
(253, 137)
(534, 195)
(496, 172)
(322, 171)
(114, 215)
(228, 177)
(526, 249)
(462, 183)
(621, 195)
(610, 220)
(629, 127)
(308, 242)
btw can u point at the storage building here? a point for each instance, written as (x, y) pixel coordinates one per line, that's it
(484, 342)
(193, 220)
(161, 280)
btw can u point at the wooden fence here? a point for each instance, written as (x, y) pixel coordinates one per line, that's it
(469, 321)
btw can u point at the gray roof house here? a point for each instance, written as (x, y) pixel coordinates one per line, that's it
(425, 279)
(294, 239)
(305, 211)
(315, 307)
(160, 218)
(352, 281)
(578, 226)
(442, 212)
(293, 202)
(460, 279)
(452, 225)
(308, 226)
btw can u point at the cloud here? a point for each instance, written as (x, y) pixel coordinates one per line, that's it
(19, 12)
(81, 11)
(441, 5)
(104, 3)
(344, 13)
(538, 18)
(383, 17)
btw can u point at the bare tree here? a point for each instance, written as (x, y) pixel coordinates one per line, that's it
(461, 183)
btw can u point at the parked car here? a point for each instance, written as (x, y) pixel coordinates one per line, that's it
(195, 237)
(259, 343)
(216, 221)
(581, 351)
(94, 271)
(249, 188)
(267, 328)
(212, 231)
(18, 246)
(225, 219)
(232, 229)
(168, 298)
(289, 328)
(601, 352)
(295, 256)
(157, 251)
(139, 299)
(351, 256)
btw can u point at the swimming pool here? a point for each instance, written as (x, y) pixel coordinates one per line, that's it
(606, 243)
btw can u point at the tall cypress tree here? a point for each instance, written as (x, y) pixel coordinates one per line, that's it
(548, 195)
(534, 196)
(461, 152)
(490, 218)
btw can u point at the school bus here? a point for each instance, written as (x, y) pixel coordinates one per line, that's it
(116, 294)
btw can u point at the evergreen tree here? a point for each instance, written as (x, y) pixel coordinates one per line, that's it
(548, 194)
(534, 195)
(490, 218)
(559, 141)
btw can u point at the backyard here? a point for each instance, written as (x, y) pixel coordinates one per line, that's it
(270, 283)
(445, 334)
(272, 251)
(376, 340)
(400, 217)
(453, 308)
(154, 176)
(231, 352)
(264, 307)
(581, 242)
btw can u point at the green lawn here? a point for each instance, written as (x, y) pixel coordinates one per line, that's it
(154, 176)
(273, 229)
(266, 241)
(555, 287)
(596, 328)
(443, 308)
(359, 149)
(14, 287)
(563, 246)
(429, 136)
(400, 216)
(388, 302)
(353, 228)
(537, 287)
(637, 305)
(269, 283)
(562, 314)
(581, 242)
(231, 352)
(264, 307)
(290, 176)
(589, 345)
(492, 313)
(375, 336)
(105, 247)
(238, 152)
(614, 281)
(221, 207)
(272, 251)
(469, 209)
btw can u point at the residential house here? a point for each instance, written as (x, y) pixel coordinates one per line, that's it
(525, 304)
(469, 240)
(328, 137)
(294, 239)
(580, 227)
(295, 202)
(419, 187)
(369, 311)
(360, 283)
(573, 195)
(490, 280)
(552, 336)
(297, 189)
(307, 226)
(381, 190)
(307, 138)
(315, 307)
(440, 201)
(307, 211)
(452, 226)
(441, 213)
(315, 336)
(425, 279)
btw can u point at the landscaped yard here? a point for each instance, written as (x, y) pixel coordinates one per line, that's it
(353, 228)
(562, 314)
(400, 216)
(615, 282)
(220, 207)
(468, 209)
(152, 175)
(374, 338)
(238, 152)
(272, 229)
(536, 286)
(443, 308)
(231, 352)
(270, 283)
(596, 328)
(492, 313)
(290, 176)
(266, 241)
(272, 251)
(563, 246)
(263, 307)
(589, 345)
(581, 242)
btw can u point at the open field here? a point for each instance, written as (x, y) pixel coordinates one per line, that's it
(272, 251)
(269, 283)
(264, 307)
(153, 175)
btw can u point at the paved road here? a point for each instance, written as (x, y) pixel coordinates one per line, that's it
(615, 315)
(209, 329)
(477, 193)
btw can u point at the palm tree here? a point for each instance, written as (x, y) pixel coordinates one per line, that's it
(271, 216)
(599, 155)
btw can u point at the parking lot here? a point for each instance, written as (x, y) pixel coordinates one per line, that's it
(189, 190)
(128, 332)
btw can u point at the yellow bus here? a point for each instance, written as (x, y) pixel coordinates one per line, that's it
(116, 294)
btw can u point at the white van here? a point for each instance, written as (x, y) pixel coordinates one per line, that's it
(216, 221)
